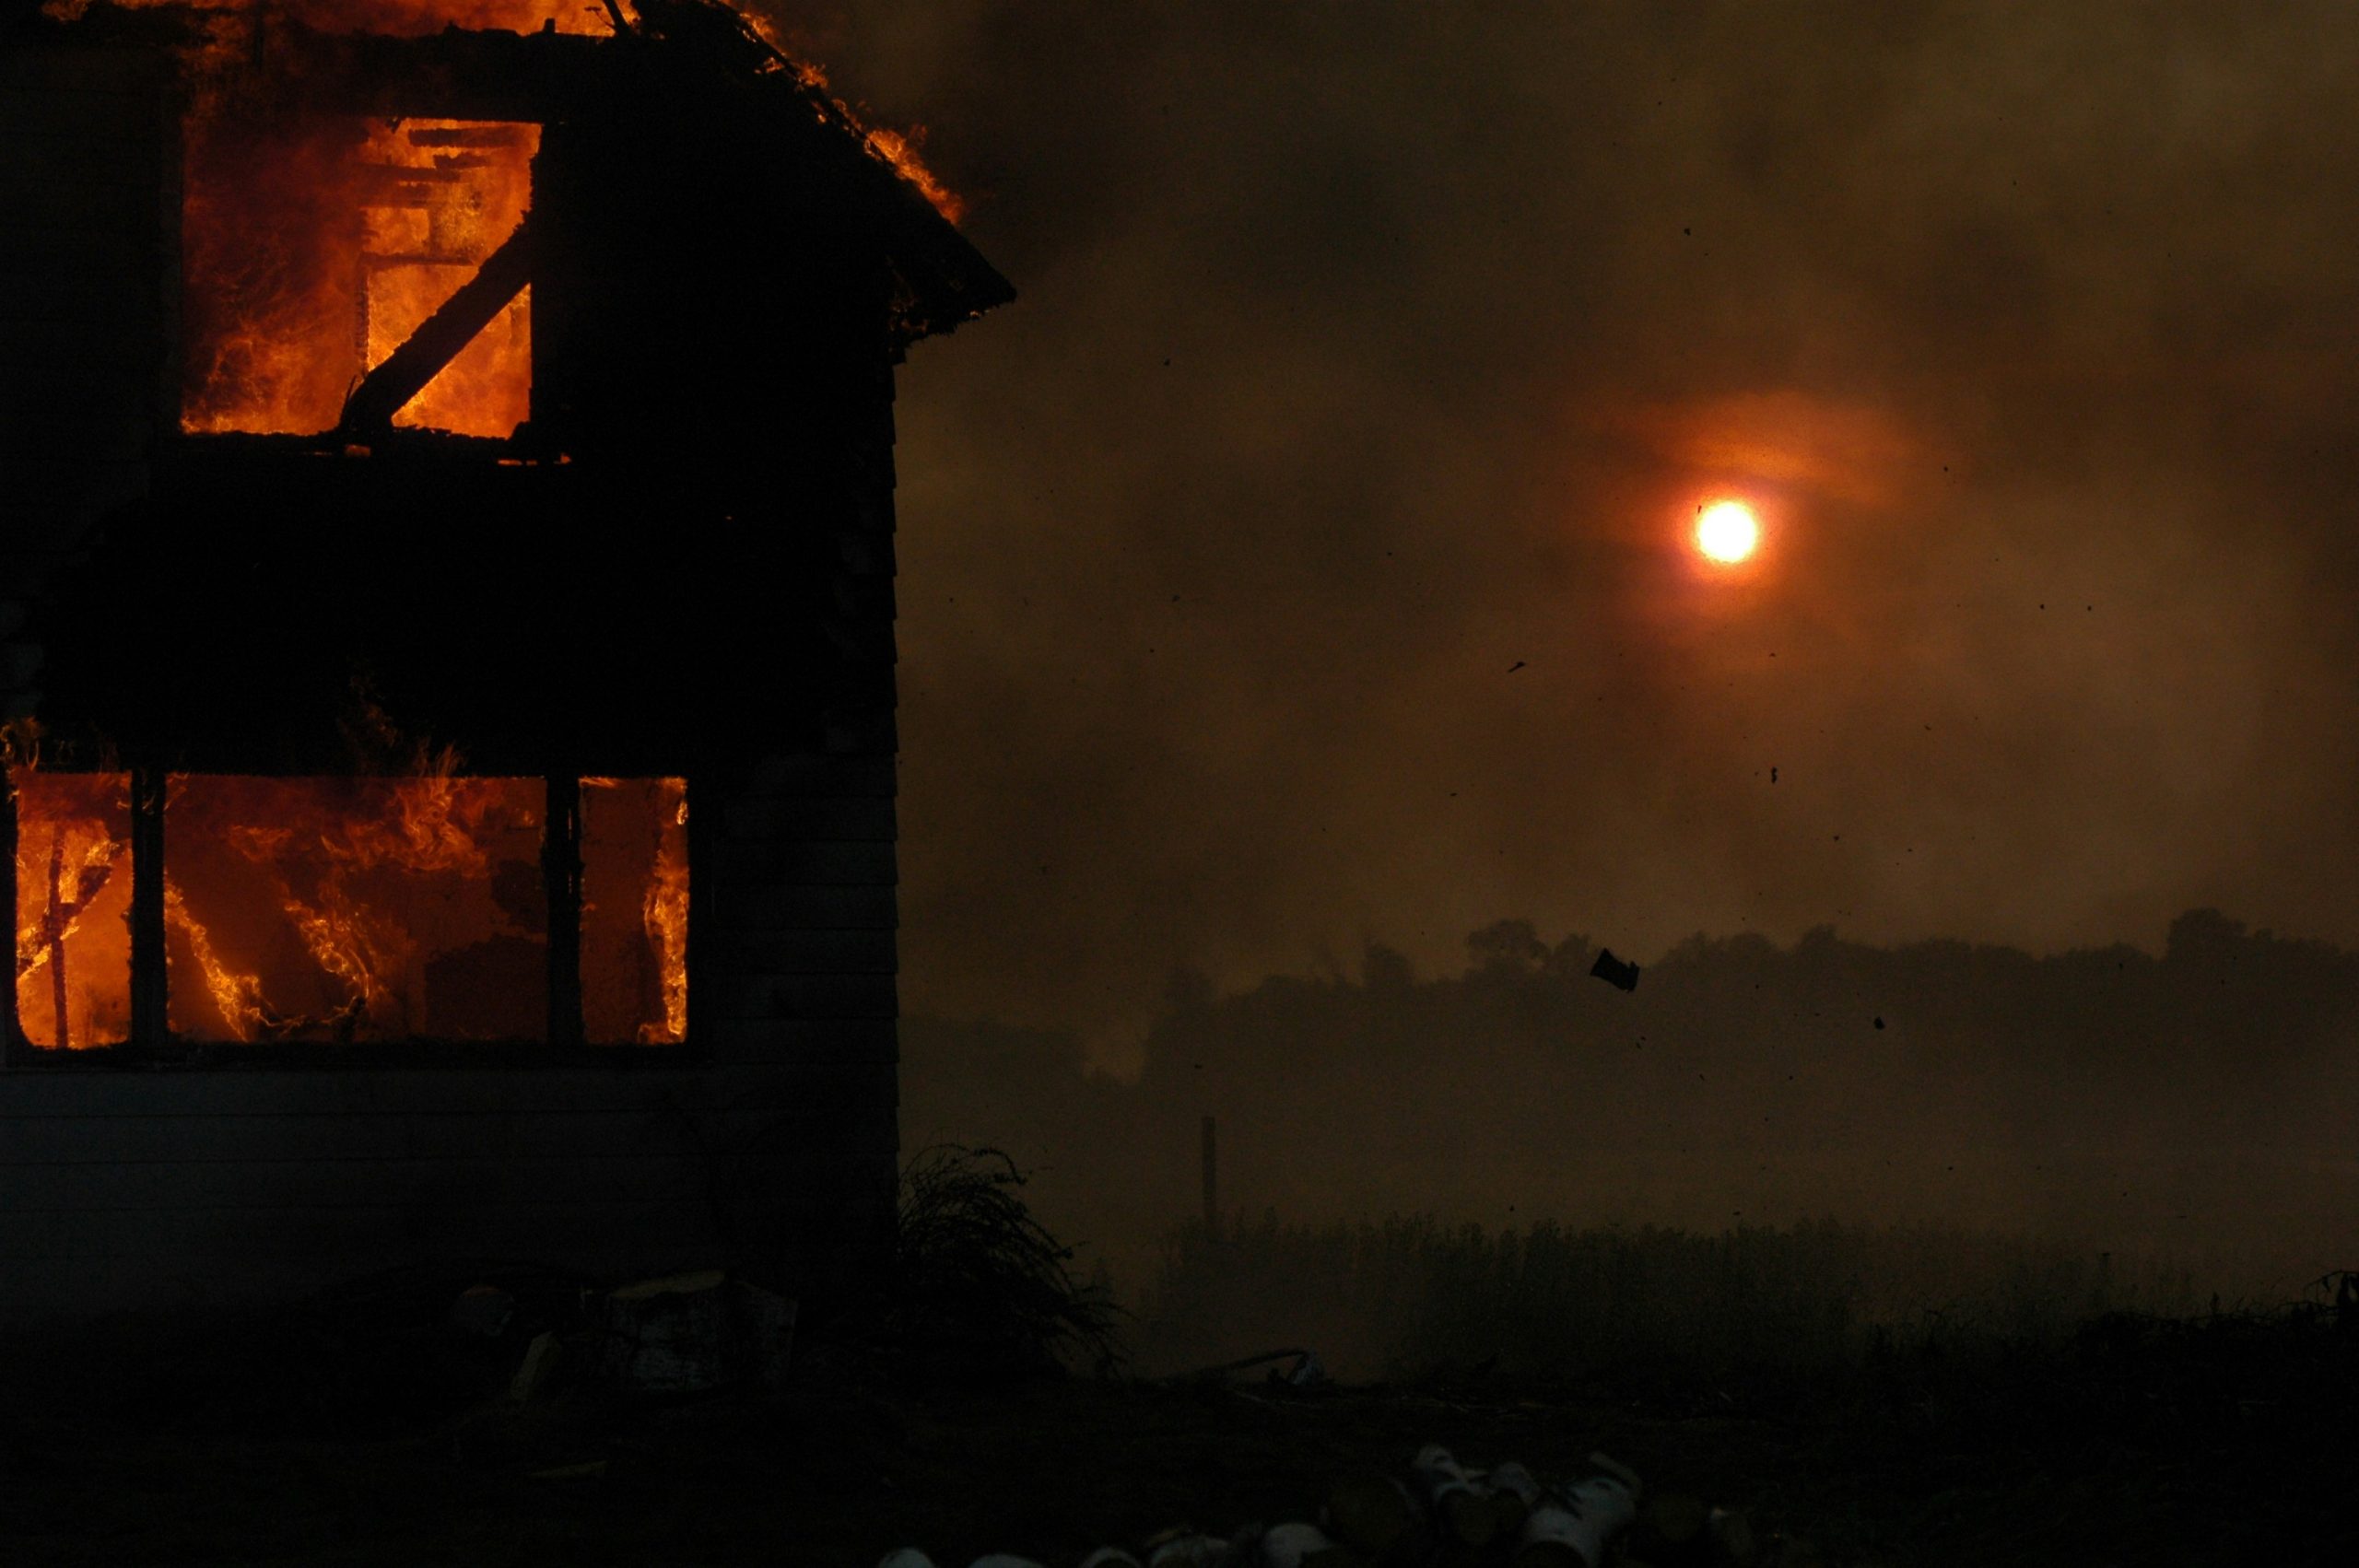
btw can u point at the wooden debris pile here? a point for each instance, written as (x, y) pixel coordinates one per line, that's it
(1443, 1515)
(682, 1334)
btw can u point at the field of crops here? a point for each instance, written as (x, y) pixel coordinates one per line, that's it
(1659, 1308)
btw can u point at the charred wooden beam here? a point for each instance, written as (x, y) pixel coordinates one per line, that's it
(494, 135)
(49, 937)
(384, 391)
(561, 876)
(149, 995)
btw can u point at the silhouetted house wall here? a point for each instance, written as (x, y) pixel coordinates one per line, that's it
(680, 567)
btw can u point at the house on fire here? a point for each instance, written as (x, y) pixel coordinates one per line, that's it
(446, 641)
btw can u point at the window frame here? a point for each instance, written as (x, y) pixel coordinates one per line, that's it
(152, 1043)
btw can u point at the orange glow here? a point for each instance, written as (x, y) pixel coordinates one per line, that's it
(314, 248)
(635, 910)
(422, 239)
(238, 997)
(356, 908)
(351, 909)
(900, 149)
(409, 18)
(73, 899)
(1727, 531)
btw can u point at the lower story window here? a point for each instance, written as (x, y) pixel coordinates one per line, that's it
(354, 909)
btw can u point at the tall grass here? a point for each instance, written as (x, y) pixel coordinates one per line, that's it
(980, 1288)
(1412, 1298)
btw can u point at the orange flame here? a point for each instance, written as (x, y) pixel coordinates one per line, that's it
(315, 248)
(350, 908)
(900, 149)
(367, 886)
(664, 913)
(401, 17)
(238, 997)
(73, 889)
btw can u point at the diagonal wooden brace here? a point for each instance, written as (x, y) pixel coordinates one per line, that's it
(384, 391)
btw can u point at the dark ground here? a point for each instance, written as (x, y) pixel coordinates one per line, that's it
(299, 1441)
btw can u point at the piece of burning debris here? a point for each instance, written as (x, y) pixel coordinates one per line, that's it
(1614, 971)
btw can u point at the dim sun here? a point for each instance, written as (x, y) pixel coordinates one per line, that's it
(1727, 531)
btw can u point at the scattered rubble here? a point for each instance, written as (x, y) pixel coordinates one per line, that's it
(689, 1333)
(1447, 1515)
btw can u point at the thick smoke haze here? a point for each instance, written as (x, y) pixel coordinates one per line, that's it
(1301, 559)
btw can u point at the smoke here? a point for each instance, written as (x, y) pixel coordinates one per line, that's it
(1366, 352)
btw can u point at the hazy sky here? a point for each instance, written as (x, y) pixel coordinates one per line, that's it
(1368, 348)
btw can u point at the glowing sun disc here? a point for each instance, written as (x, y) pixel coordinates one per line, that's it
(1727, 531)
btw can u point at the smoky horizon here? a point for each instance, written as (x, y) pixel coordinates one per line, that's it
(1305, 558)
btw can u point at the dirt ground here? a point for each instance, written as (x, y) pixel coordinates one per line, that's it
(2229, 1444)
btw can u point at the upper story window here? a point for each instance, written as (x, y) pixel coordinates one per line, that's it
(314, 246)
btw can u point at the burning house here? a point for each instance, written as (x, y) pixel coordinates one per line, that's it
(446, 637)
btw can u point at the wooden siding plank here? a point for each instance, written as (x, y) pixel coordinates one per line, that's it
(312, 1139)
(853, 951)
(802, 863)
(823, 777)
(755, 907)
(806, 995)
(840, 820)
(812, 1043)
(207, 1185)
(340, 1242)
(552, 1090)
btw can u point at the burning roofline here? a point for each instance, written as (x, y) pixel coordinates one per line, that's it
(942, 280)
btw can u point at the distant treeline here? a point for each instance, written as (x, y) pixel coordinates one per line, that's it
(1739, 1081)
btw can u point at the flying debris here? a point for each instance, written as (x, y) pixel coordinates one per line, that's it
(1613, 972)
